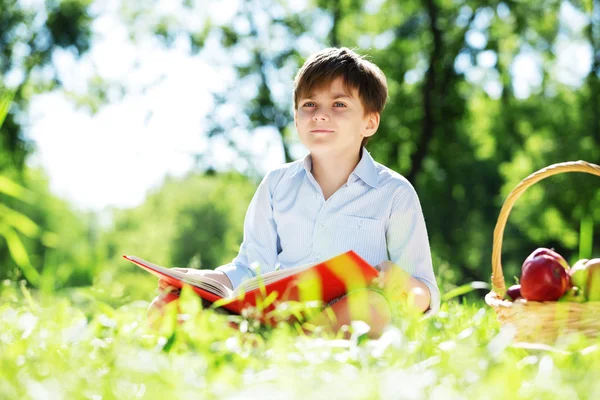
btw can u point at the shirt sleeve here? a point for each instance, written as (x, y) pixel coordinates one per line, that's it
(260, 247)
(407, 241)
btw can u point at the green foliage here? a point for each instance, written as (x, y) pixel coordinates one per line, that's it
(209, 233)
(47, 243)
(42, 236)
(6, 98)
(195, 221)
(12, 221)
(29, 34)
(61, 347)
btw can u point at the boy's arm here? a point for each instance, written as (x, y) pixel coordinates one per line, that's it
(260, 246)
(408, 248)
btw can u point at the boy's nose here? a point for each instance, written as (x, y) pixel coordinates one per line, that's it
(320, 116)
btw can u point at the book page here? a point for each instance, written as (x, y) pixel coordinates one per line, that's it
(269, 277)
(202, 282)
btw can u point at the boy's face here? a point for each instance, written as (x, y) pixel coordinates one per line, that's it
(331, 121)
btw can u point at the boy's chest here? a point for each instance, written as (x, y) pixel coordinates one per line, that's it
(311, 228)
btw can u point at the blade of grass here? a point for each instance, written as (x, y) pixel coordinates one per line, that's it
(464, 289)
(5, 100)
(586, 236)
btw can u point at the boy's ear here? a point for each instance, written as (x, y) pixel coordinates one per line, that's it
(372, 124)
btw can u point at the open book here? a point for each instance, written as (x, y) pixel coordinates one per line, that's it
(322, 281)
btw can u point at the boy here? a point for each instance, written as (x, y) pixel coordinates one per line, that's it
(338, 198)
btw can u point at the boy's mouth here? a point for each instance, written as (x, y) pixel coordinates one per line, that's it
(321, 130)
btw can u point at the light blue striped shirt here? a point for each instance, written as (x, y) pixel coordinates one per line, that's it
(376, 213)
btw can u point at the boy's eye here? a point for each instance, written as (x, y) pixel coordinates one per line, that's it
(309, 104)
(339, 104)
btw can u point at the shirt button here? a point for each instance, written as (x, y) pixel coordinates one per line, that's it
(322, 227)
(317, 256)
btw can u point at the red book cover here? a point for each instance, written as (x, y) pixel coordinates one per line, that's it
(324, 282)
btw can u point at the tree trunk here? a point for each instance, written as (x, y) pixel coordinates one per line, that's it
(593, 33)
(429, 95)
(336, 13)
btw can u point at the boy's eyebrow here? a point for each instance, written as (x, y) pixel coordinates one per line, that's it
(334, 96)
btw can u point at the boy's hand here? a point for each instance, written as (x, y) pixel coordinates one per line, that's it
(209, 273)
(399, 284)
(391, 277)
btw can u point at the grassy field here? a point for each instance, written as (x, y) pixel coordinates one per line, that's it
(80, 345)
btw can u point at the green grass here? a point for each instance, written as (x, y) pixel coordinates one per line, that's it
(79, 345)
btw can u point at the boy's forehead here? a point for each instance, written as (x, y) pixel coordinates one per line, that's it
(336, 87)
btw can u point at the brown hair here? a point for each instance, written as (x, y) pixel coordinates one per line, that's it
(325, 66)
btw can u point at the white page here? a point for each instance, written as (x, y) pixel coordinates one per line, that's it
(203, 282)
(269, 277)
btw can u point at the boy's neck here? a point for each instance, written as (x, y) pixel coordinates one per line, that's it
(331, 173)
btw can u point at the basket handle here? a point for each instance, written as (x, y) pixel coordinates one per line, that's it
(498, 285)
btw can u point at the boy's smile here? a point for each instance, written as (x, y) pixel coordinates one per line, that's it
(332, 120)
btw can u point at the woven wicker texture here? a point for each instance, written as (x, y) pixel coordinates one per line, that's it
(539, 321)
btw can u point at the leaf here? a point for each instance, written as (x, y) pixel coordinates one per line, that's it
(464, 289)
(220, 302)
(170, 342)
(267, 301)
(19, 254)
(27, 296)
(5, 99)
(19, 221)
(15, 190)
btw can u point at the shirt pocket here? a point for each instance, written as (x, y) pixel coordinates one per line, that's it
(365, 236)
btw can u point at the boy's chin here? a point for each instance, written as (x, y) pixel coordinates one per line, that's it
(320, 147)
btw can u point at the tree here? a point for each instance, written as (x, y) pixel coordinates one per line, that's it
(194, 221)
(28, 39)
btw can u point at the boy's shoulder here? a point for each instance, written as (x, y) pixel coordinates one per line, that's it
(287, 169)
(283, 171)
(391, 179)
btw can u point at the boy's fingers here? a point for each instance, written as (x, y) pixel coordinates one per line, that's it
(379, 280)
(162, 284)
(165, 287)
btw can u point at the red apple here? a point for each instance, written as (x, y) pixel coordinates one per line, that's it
(548, 252)
(513, 292)
(544, 277)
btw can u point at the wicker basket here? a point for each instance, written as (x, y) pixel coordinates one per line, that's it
(541, 322)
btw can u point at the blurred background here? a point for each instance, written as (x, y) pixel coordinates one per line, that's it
(144, 127)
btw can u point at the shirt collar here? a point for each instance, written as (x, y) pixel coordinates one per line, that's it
(365, 169)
